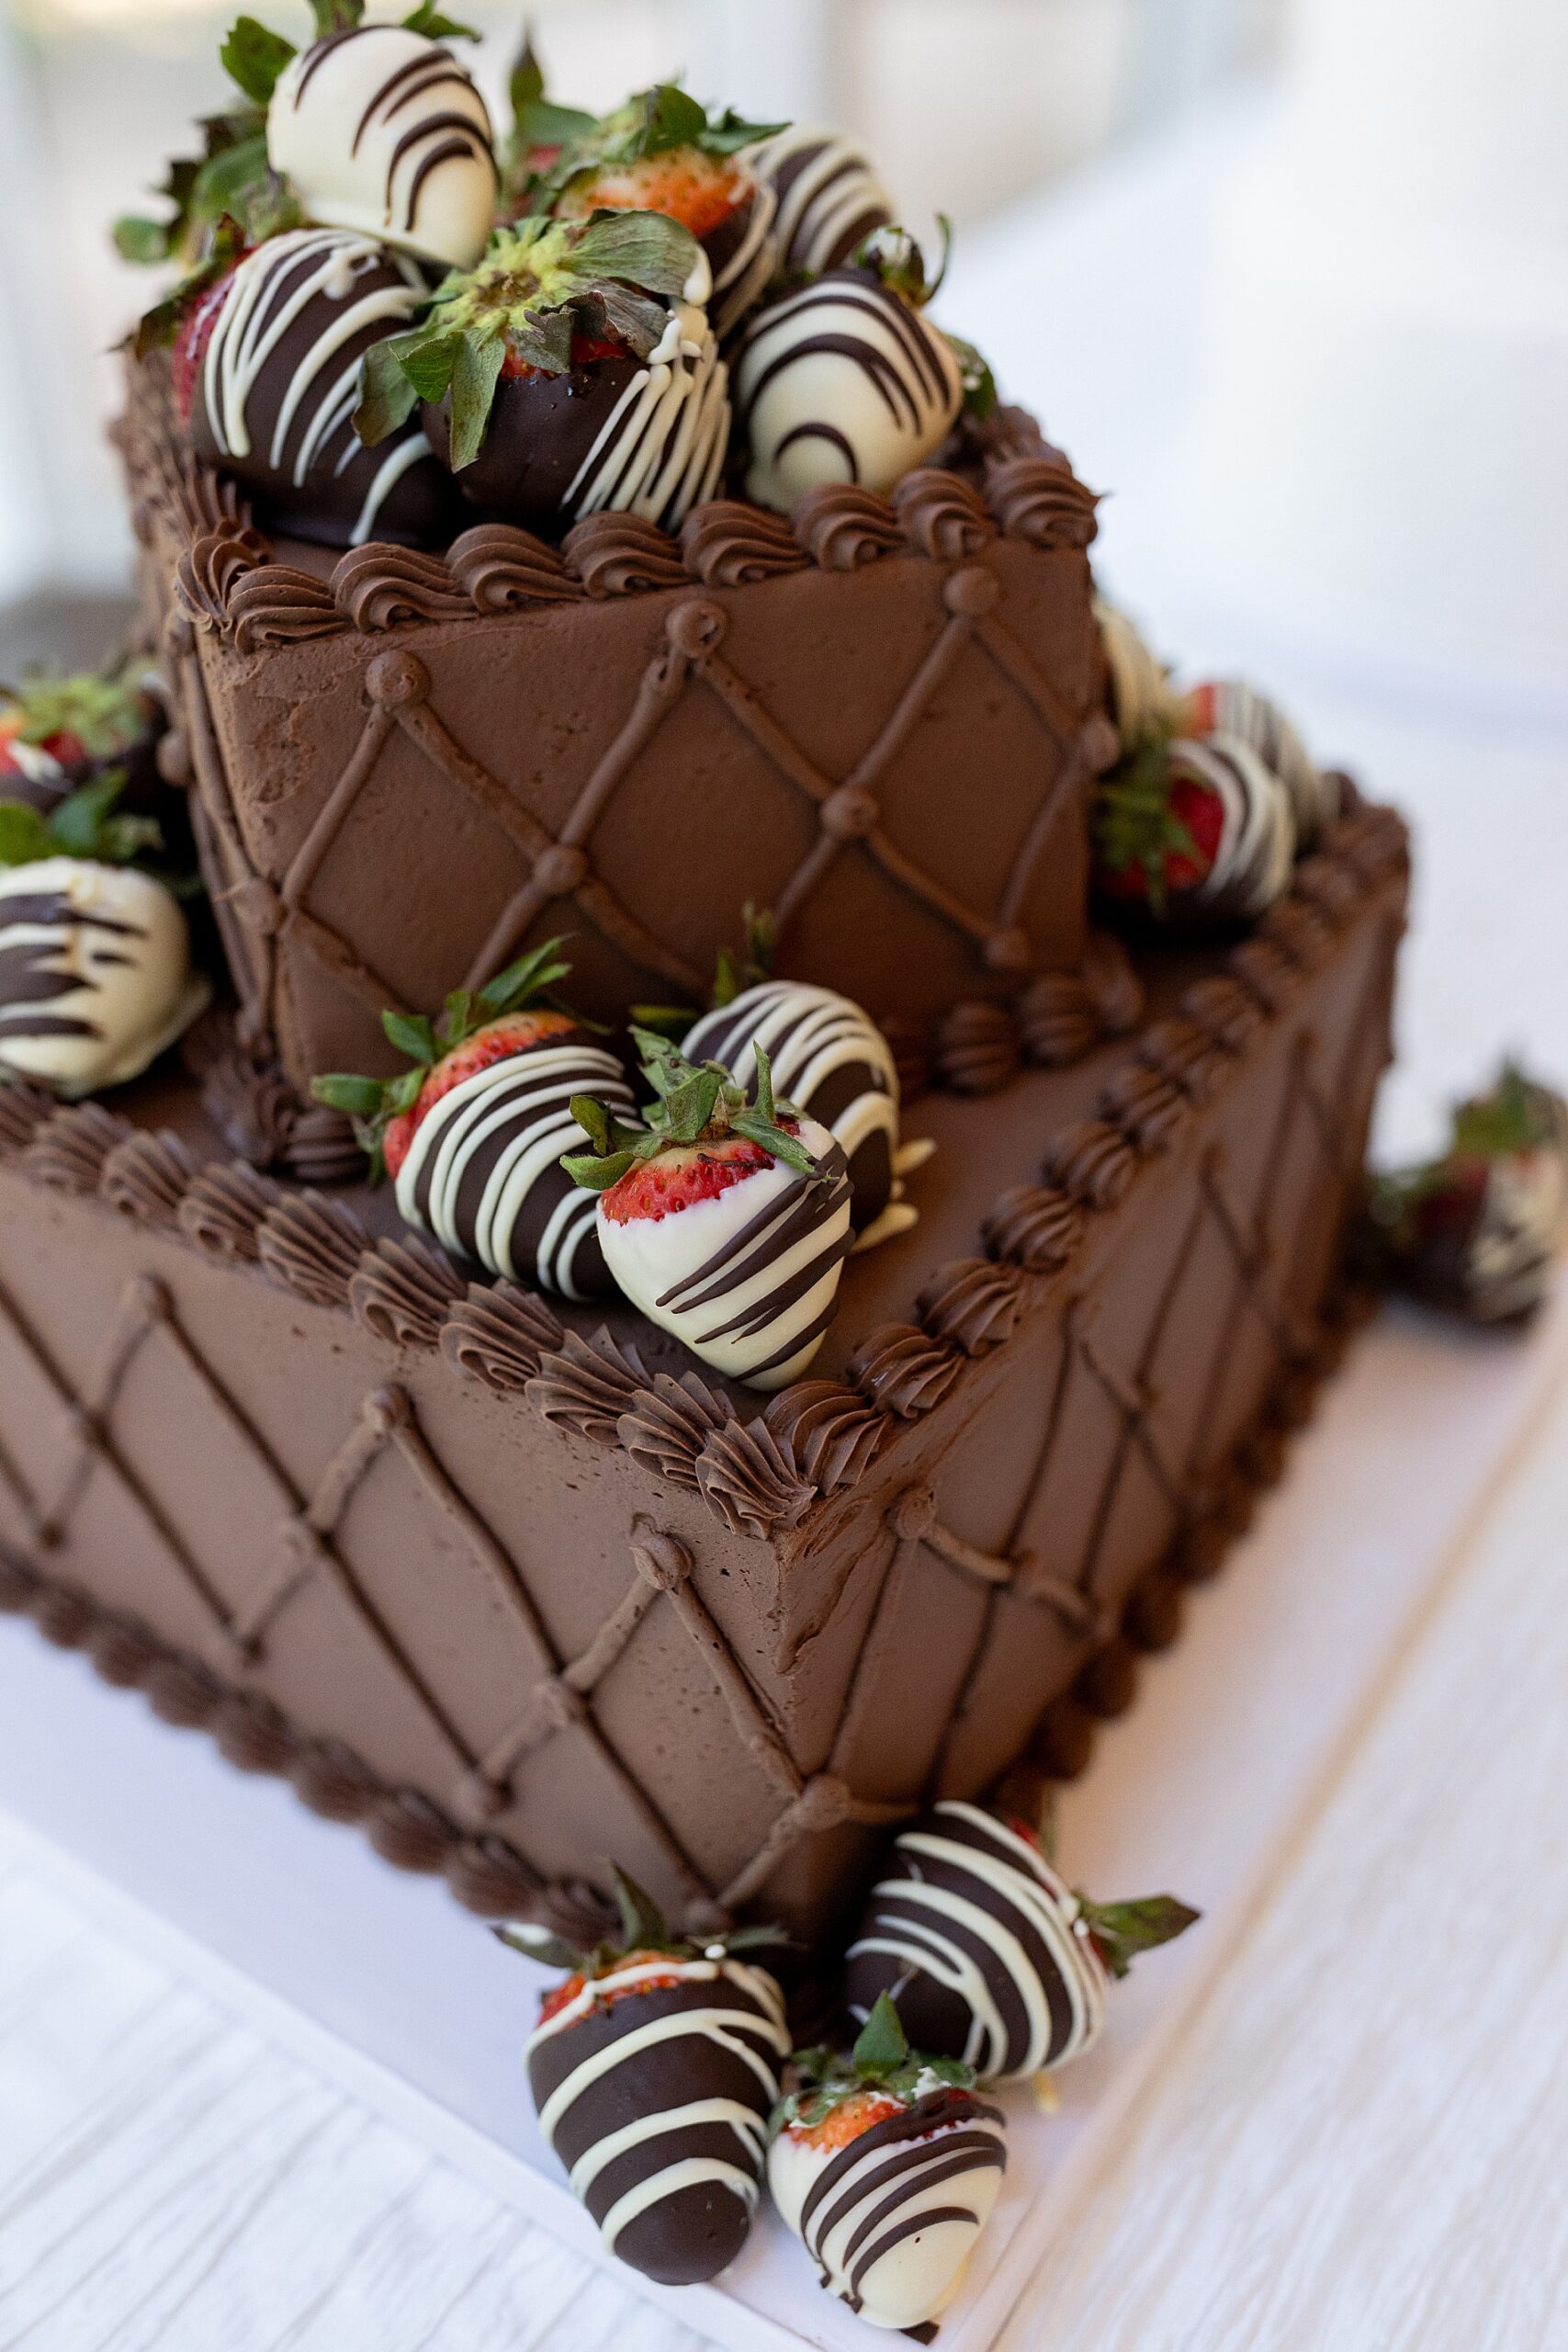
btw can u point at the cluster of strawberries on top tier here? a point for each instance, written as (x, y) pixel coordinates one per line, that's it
(608, 283)
(664, 2081)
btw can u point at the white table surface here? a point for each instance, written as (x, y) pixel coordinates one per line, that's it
(1361, 2135)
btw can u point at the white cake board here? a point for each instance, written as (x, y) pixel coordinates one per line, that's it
(383, 1985)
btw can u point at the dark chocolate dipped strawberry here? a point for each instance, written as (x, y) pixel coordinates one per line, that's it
(987, 1953)
(660, 152)
(1190, 831)
(57, 734)
(886, 2164)
(654, 2067)
(268, 345)
(572, 371)
(1475, 1229)
(473, 1134)
(726, 1219)
(845, 380)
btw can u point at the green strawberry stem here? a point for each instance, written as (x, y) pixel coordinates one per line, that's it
(1514, 1115)
(644, 1927)
(1134, 823)
(374, 1102)
(540, 282)
(881, 2060)
(1123, 1931)
(83, 825)
(693, 1104)
(105, 710)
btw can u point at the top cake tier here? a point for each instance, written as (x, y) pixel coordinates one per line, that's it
(880, 720)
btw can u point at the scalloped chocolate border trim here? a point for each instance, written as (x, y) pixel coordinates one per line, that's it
(763, 1476)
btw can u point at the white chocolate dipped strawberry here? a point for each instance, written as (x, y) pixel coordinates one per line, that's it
(887, 2166)
(726, 1221)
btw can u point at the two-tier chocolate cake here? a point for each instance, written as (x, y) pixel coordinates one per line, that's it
(706, 1459)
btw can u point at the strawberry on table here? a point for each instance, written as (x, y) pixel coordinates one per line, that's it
(472, 1133)
(988, 1955)
(653, 2067)
(885, 2165)
(1475, 1229)
(725, 1219)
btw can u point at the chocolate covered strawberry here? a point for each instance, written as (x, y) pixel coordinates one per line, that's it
(988, 1955)
(1229, 707)
(473, 1132)
(726, 1219)
(1475, 1229)
(886, 2164)
(56, 733)
(653, 2067)
(1190, 831)
(660, 152)
(572, 370)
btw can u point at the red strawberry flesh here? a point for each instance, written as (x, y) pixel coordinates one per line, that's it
(498, 1041)
(682, 1179)
(699, 191)
(566, 1992)
(194, 335)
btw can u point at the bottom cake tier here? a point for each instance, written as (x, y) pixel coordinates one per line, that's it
(521, 1590)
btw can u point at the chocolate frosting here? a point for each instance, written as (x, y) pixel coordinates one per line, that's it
(904, 1370)
(1092, 1162)
(146, 1177)
(977, 1048)
(744, 1475)
(1036, 1227)
(277, 604)
(841, 528)
(972, 1303)
(23, 1110)
(585, 1386)
(222, 1210)
(665, 1427)
(1186, 1054)
(622, 554)
(403, 1290)
(730, 542)
(942, 517)
(502, 569)
(1042, 499)
(501, 1335)
(1222, 1008)
(828, 1431)
(312, 1247)
(380, 588)
(1057, 1020)
(1147, 1107)
(68, 1150)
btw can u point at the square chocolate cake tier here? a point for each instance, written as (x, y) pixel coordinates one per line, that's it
(407, 767)
(517, 1585)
